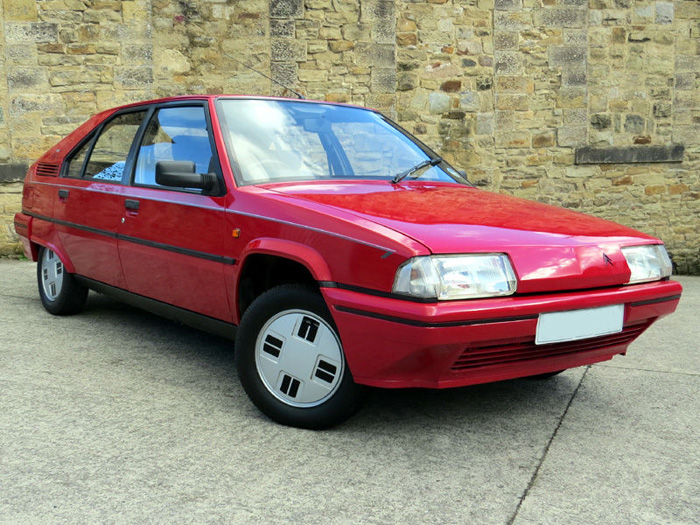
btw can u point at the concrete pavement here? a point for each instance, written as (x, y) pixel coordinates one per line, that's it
(118, 416)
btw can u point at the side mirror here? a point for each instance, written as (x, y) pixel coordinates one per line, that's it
(182, 174)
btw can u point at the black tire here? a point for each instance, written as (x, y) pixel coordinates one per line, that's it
(296, 308)
(69, 297)
(548, 375)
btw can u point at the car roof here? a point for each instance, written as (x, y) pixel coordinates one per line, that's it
(185, 98)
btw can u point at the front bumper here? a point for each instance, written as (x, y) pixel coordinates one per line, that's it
(393, 343)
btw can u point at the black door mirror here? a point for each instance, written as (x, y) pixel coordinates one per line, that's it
(182, 174)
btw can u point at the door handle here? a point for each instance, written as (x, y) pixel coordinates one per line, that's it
(131, 204)
(63, 194)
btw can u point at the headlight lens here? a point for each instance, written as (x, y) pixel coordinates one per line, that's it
(647, 263)
(449, 277)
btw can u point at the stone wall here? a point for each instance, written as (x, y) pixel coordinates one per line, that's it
(512, 91)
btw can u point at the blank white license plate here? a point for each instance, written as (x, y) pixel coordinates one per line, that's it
(558, 327)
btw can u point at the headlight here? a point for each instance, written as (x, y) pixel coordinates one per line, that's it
(447, 277)
(647, 263)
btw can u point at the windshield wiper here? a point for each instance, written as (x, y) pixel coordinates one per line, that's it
(402, 175)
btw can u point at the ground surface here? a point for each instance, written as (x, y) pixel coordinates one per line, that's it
(118, 416)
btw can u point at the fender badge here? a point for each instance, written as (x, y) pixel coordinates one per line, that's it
(608, 260)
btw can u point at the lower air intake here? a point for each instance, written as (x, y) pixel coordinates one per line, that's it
(484, 356)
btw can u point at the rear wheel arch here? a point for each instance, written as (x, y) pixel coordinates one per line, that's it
(37, 245)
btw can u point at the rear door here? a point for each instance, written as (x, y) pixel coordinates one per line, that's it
(171, 240)
(89, 204)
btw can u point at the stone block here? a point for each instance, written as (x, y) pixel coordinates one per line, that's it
(470, 101)
(508, 63)
(575, 117)
(484, 124)
(380, 55)
(12, 172)
(574, 77)
(560, 17)
(512, 139)
(134, 77)
(505, 40)
(451, 86)
(678, 189)
(171, 61)
(318, 4)
(21, 10)
(600, 121)
(312, 75)
(38, 32)
(664, 13)
(512, 102)
(406, 81)
(287, 49)
(406, 39)
(634, 124)
(544, 140)
(512, 20)
(507, 5)
(286, 8)
(383, 80)
(439, 103)
(568, 136)
(484, 83)
(339, 46)
(567, 56)
(469, 47)
(316, 46)
(571, 98)
(518, 84)
(630, 154)
(20, 79)
(330, 33)
(282, 28)
(284, 72)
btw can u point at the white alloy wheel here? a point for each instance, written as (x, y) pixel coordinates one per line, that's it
(299, 358)
(52, 274)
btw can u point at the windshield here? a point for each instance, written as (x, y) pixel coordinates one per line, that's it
(279, 141)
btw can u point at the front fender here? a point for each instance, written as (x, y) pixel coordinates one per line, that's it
(305, 255)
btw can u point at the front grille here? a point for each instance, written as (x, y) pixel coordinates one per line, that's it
(47, 170)
(484, 356)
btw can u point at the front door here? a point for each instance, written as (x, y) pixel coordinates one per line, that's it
(171, 240)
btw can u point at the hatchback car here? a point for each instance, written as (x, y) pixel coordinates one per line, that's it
(338, 249)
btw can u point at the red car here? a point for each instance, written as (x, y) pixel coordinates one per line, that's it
(346, 252)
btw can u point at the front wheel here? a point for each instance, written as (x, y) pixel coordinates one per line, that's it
(290, 360)
(60, 293)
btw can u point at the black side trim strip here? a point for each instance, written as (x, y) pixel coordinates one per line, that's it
(659, 300)
(137, 240)
(376, 293)
(424, 324)
(72, 225)
(174, 313)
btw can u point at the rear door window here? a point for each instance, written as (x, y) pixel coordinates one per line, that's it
(107, 159)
